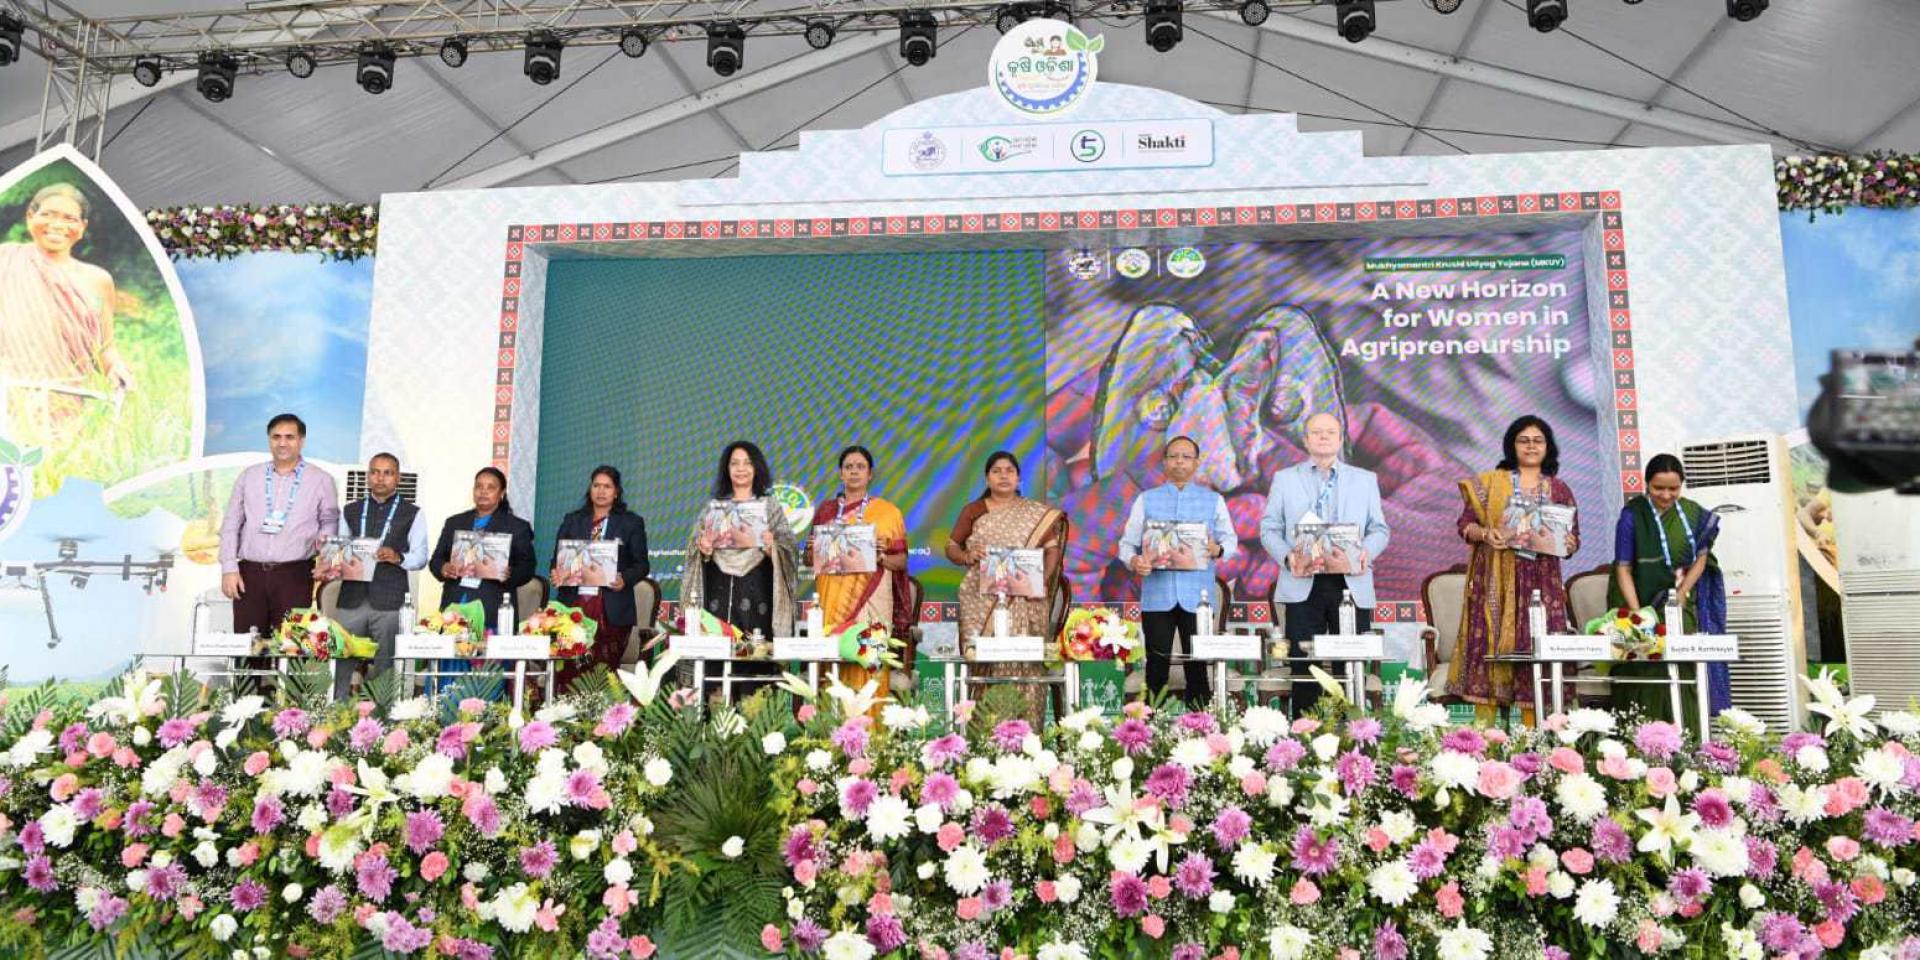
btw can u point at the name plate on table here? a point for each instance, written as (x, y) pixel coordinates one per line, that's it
(1226, 646)
(1009, 649)
(1573, 647)
(423, 646)
(701, 648)
(805, 648)
(518, 647)
(1704, 648)
(223, 644)
(1359, 646)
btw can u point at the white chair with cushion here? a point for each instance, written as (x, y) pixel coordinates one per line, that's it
(1445, 596)
(1586, 600)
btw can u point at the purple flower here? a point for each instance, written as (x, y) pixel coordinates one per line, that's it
(1406, 780)
(997, 895)
(939, 753)
(808, 936)
(1133, 735)
(1762, 805)
(208, 800)
(175, 732)
(605, 942)
(375, 877)
(424, 829)
(247, 896)
(537, 861)
(940, 789)
(581, 786)
(33, 837)
(485, 816)
(800, 846)
(1506, 843)
(1388, 944)
(1838, 899)
(537, 736)
(1010, 734)
(73, 737)
(1194, 876)
(972, 950)
(340, 802)
(1198, 722)
(1528, 764)
(616, 720)
(291, 722)
(1762, 857)
(1356, 771)
(1312, 855)
(1781, 931)
(453, 740)
(1364, 730)
(857, 795)
(401, 936)
(1529, 815)
(851, 738)
(991, 824)
(1719, 757)
(1887, 828)
(1425, 860)
(365, 734)
(1609, 841)
(1285, 753)
(1169, 782)
(134, 824)
(1551, 952)
(106, 912)
(1128, 894)
(1713, 807)
(1689, 885)
(88, 803)
(1230, 827)
(1793, 742)
(40, 875)
(1189, 951)
(1658, 739)
(885, 933)
(1082, 798)
(1464, 740)
(166, 883)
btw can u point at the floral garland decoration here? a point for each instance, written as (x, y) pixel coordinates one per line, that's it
(1829, 183)
(336, 231)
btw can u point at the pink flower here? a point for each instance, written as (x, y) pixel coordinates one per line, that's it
(770, 939)
(1649, 937)
(172, 826)
(473, 706)
(125, 758)
(1153, 925)
(133, 854)
(1831, 933)
(860, 767)
(807, 787)
(1566, 760)
(1253, 784)
(1869, 889)
(805, 871)
(950, 837)
(641, 947)
(969, 908)
(617, 899)
(1449, 899)
(1617, 767)
(1377, 839)
(101, 744)
(247, 853)
(257, 763)
(317, 737)
(806, 712)
(1045, 891)
(395, 742)
(1843, 849)
(1498, 780)
(1304, 893)
(1305, 725)
(1159, 887)
(1660, 782)
(1846, 795)
(1536, 881)
(1577, 861)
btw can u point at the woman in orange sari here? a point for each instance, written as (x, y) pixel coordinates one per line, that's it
(878, 597)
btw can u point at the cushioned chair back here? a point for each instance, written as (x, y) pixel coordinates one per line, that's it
(330, 599)
(1587, 595)
(531, 596)
(1445, 595)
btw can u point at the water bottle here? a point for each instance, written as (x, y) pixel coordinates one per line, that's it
(1000, 616)
(1536, 617)
(690, 608)
(816, 622)
(407, 619)
(1203, 617)
(505, 629)
(1672, 616)
(1349, 615)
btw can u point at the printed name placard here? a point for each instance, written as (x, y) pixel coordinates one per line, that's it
(517, 647)
(423, 646)
(1359, 646)
(1704, 648)
(701, 648)
(805, 648)
(1009, 649)
(1227, 646)
(1573, 647)
(222, 644)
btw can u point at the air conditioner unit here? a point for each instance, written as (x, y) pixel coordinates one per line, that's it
(1744, 481)
(1878, 535)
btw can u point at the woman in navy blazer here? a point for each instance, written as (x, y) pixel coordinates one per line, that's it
(603, 516)
(491, 513)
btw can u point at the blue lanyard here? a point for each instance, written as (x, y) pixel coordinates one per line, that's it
(393, 507)
(299, 473)
(1326, 494)
(1660, 527)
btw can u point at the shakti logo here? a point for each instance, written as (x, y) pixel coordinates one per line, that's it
(1148, 143)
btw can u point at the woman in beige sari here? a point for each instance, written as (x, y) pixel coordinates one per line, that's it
(1002, 518)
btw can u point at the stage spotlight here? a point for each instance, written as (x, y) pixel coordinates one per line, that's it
(300, 63)
(819, 34)
(543, 57)
(726, 47)
(146, 71)
(1745, 10)
(1546, 16)
(217, 71)
(919, 37)
(1254, 12)
(1444, 6)
(1010, 15)
(453, 52)
(1163, 24)
(1057, 11)
(12, 28)
(633, 42)
(1355, 18)
(376, 68)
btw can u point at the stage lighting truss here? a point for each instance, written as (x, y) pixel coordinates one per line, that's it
(300, 62)
(919, 37)
(1163, 25)
(543, 57)
(147, 72)
(819, 34)
(375, 72)
(453, 52)
(726, 47)
(217, 70)
(633, 42)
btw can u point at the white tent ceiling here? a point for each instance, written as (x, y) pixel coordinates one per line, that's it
(1809, 74)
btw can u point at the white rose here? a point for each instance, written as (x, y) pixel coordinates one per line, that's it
(292, 893)
(413, 708)
(1240, 766)
(1061, 951)
(1220, 901)
(618, 872)
(476, 872)
(773, 744)
(583, 844)
(733, 848)
(1288, 942)
(658, 771)
(1326, 746)
(206, 853)
(819, 761)
(1903, 877)
(1123, 768)
(1091, 741)
(928, 818)
(926, 870)
(496, 782)
(1597, 903)
(223, 927)
(1067, 888)
(1751, 897)
(1812, 758)
(588, 756)
(847, 945)
(1560, 884)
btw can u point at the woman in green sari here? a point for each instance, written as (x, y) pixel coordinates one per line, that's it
(1663, 544)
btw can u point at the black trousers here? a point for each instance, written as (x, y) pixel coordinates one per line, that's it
(1319, 613)
(1157, 629)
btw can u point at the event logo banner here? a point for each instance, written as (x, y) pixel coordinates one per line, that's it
(1044, 67)
(1029, 148)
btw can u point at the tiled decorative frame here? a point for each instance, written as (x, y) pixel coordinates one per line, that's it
(1605, 205)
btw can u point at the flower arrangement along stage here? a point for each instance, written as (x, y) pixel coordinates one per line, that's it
(621, 821)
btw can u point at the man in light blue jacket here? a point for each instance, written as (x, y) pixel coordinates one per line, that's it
(1176, 579)
(1321, 490)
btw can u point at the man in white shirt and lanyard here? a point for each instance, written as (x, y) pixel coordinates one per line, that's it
(1321, 490)
(372, 608)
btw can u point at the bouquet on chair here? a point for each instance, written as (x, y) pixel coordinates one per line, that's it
(462, 622)
(870, 645)
(1100, 633)
(569, 632)
(308, 633)
(1634, 634)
